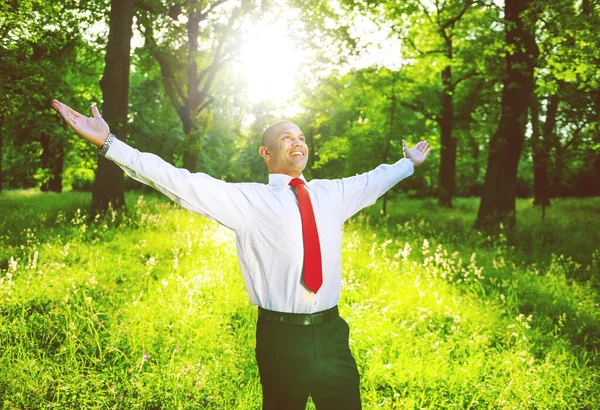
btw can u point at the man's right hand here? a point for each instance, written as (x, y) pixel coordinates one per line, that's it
(93, 129)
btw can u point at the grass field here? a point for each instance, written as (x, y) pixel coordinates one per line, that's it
(148, 310)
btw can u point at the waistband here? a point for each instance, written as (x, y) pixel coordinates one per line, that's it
(306, 319)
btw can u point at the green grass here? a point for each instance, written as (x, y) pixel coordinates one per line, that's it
(147, 309)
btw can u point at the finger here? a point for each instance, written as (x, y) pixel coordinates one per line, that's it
(62, 106)
(66, 111)
(68, 119)
(69, 110)
(67, 115)
(73, 112)
(95, 112)
(61, 110)
(57, 105)
(427, 152)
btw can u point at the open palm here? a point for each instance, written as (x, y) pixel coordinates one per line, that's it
(93, 129)
(418, 153)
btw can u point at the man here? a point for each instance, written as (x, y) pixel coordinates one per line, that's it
(288, 236)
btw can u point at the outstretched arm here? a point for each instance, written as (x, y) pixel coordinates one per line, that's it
(228, 204)
(361, 191)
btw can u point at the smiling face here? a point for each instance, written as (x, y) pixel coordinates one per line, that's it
(284, 149)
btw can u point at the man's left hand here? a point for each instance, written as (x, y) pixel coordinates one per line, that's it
(418, 153)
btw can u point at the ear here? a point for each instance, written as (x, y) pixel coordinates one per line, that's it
(264, 152)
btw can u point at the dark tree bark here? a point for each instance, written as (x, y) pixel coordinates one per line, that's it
(445, 26)
(475, 154)
(447, 175)
(388, 142)
(45, 141)
(52, 161)
(596, 94)
(310, 141)
(1, 174)
(109, 183)
(498, 200)
(542, 141)
(55, 182)
(534, 113)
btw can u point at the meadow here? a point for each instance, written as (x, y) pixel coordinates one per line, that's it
(147, 309)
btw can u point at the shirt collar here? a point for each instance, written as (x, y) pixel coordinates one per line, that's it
(282, 180)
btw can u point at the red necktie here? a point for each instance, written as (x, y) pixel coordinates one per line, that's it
(313, 273)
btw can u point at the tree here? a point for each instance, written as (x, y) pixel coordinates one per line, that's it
(40, 45)
(499, 190)
(189, 68)
(109, 183)
(438, 43)
(357, 124)
(443, 21)
(564, 79)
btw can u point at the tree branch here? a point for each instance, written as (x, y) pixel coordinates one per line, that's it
(418, 108)
(453, 20)
(424, 9)
(412, 43)
(209, 99)
(210, 8)
(197, 96)
(174, 92)
(469, 74)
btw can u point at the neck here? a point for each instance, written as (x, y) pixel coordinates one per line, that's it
(293, 174)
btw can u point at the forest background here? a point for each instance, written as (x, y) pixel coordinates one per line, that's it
(507, 93)
(205, 79)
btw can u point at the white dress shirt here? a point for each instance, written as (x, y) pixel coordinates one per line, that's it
(266, 221)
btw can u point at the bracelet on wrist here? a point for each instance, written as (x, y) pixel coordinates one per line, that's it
(107, 143)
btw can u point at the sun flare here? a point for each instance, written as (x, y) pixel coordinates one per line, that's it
(270, 62)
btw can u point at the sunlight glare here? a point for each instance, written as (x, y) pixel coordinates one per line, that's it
(270, 62)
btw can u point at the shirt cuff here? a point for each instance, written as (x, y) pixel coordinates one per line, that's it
(104, 148)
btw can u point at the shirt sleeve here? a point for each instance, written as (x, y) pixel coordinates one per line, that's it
(227, 203)
(362, 190)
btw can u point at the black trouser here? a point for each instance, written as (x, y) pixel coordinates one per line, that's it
(297, 360)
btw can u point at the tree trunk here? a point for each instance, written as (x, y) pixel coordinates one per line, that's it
(498, 200)
(109, 184)
(559, 167)
(536, 137)
(55, 183)
(475, 154)
(191, 100)
(388, 142)
(310, 141)
(447, 176)
(1, 174)
(45, 141)
(190, 156)
(541, 154)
